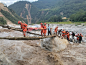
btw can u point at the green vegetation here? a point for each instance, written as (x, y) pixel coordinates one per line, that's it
(18, 17)
(68, 22)
(19, 7)
(2, 21)
(13, 18)
(44, 4)
(79, 16)
(46, 9)
(55, 19)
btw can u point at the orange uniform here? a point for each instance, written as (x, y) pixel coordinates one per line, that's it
(56, 29)
(63, 33)
(81, 34)
(23, 27)
(44, 29)
(78, 37)
(41, 29)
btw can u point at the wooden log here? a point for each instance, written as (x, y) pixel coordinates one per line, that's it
(26, 38)
(18, 29)
(33, 33)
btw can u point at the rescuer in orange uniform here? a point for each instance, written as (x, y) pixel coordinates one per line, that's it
(81, 34)
(23, 27)
(63, 33)
(68, 36)
(56, 29)
(78, 37)
(44, 29)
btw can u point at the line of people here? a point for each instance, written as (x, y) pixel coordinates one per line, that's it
(62, 33)
(45, 29)
(70, 36)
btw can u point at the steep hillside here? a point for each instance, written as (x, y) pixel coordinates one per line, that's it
(45, 4)
(70, 7)
(48, 8)
(24, 9)
(8, 15)
(67, 7)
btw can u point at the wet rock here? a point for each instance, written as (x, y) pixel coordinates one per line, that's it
(54, 44)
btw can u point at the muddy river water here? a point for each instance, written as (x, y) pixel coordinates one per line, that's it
(31, 52)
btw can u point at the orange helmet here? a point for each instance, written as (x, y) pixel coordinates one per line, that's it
(19, 22)
(45, 23)
(78, 34)
(41, 23)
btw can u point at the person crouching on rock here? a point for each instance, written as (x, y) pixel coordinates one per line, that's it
(23, 27)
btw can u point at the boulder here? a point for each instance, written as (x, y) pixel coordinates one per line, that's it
(54, 44)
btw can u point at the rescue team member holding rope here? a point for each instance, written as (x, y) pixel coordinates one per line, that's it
(56, 29)
(23, 27)
(42, 28)
(63, 33)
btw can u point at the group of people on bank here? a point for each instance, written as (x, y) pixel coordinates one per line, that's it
(70, 36)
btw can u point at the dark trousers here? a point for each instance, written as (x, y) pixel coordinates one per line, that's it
(49, 32)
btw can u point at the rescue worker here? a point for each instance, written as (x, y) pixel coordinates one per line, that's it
(81, 34)
(49, 30)
(63, 33)
(59, 32)
(44, 29)
(73, 34)
(56, 29)
(41, 29)
(80, 38)
(68, 36)
(23, 27)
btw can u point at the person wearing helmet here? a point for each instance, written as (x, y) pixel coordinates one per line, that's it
(59, 32)
(68, 36)
(80, 38)
(42, 28)
(56, 29)
(81, 34)
(73, 34)
(63, 33)
(23, 27)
